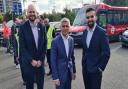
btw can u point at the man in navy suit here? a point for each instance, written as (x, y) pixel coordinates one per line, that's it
(62, 57)
(96, 52)
(33, 49)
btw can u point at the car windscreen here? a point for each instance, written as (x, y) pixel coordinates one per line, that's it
(80, 19)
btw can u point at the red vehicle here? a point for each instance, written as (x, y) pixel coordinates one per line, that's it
(113, 19)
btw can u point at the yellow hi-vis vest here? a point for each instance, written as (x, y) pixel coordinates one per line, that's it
(49, 37)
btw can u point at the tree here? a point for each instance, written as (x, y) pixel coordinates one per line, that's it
(8, 16)
(24, 2)
(121, 3)
(1, 18)
(69, 14)
(24, 11)
(56, 16)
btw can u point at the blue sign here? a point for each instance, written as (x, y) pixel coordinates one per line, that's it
(17, 8)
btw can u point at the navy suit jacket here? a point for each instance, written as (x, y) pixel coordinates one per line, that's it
(59, 59)
(98, 53)
(15, 47)
(28, 50)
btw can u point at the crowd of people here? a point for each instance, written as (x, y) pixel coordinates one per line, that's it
(33, 39)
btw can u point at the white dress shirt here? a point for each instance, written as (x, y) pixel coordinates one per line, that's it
(89, 35)
(66, 44)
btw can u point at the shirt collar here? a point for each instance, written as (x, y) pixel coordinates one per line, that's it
(64, 37)
(92, 28)
(32, 24)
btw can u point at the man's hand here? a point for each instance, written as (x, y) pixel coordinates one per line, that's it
(39, 63)
(34, 63)
(57, 82)
(45, 64)
(73, 76)
(17, 59)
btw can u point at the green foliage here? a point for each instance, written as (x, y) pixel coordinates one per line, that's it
(24, 11)
(1, 18)
(121, 3)
(69, 14)
(57, 16)
(9, 16)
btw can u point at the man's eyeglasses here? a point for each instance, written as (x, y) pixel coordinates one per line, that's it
(90, 17)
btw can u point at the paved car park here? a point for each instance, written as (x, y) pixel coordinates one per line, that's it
(115, 76)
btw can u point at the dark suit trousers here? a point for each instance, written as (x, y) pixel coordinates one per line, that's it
(67, 83)
(39, 78)
(48, 60)
(22, 71)
(92, 80)
(15, 60)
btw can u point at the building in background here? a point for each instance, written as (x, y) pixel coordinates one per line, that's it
(14, 6)
(1, 6)
(17, 7)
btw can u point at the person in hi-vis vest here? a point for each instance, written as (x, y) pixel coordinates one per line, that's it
(50, 35)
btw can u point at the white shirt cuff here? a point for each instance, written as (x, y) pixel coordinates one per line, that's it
(56, 80)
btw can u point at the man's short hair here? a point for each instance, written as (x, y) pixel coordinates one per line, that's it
(31, 6)
(42, 17)
(46, 19)
(64, 20)
(90, 9)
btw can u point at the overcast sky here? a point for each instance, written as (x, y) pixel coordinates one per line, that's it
(47, 5)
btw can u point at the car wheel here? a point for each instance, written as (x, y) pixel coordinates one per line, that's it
(123, 46)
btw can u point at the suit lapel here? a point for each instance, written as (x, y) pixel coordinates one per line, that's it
(31, 34)
(85, 38)
(70, 47)
(39, 35)
(93, 37)
(62, 44)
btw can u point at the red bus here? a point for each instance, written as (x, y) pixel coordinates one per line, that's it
(113, 19)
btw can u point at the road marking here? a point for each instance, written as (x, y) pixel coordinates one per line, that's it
(115, 49)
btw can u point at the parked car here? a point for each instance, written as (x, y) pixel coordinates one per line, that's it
(124, 39)
(76, 33)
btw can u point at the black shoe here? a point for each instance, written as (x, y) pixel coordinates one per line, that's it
(48, 74)
(24, 83)
(7, 52)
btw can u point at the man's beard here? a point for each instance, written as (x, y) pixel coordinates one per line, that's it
(65, 34)
(91, 25)
(32, 18)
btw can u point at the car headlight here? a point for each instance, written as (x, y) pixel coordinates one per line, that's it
(79, 33)
(124, 36)
(125, 33)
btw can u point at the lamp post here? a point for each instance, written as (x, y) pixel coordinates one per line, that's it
(24, 11)
(82, 2)
(34, 1)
